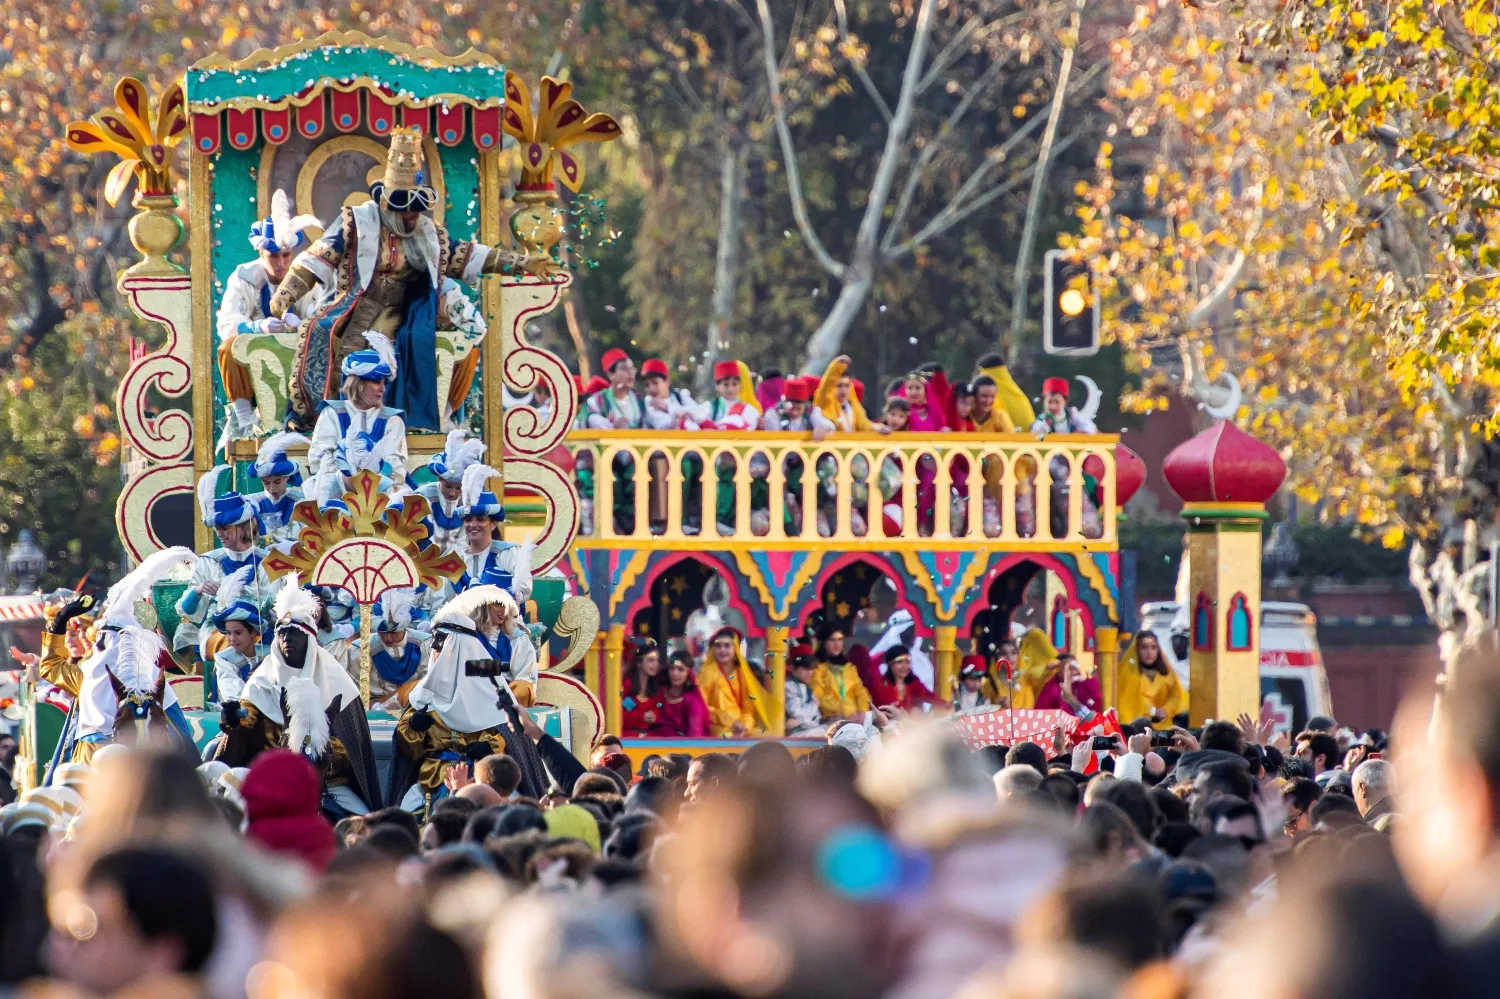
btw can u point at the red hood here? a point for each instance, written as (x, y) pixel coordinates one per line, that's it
(283, 796)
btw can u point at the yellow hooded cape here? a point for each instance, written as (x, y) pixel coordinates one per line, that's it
(1137, 693)
(1035, 664)
(1010, 398)
(828, 403)
(741, 700)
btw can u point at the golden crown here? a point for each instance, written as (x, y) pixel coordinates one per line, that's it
(404, 161)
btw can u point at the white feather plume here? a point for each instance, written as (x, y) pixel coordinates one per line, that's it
(381, 344)
(468, 454)
(470, 600)
(475, 478)
(208, 486)
(233, 586)
(307, 725)
(277, 443)
(294, 604)
(284, 228)
(395, 607)
(453, 445)
(136, 664)
(119, 604)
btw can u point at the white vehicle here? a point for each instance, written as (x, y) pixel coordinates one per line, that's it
(1292, 680)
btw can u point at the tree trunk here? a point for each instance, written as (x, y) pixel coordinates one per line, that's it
(824, 345)
(727, 261)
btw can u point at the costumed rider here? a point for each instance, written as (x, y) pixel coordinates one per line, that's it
(386, 260)
(233, 521)
(280, 481)
(1057, 417)
(297, 683)
(239, 620)
(480, 651)
(123, 680)
(361, 422)
(445, 494)
(245, 309)
(488, 561)
(398, 657)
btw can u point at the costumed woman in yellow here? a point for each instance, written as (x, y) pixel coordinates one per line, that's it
(838, 399)
(835, 682)
(1035, 664)
(738, 707)
(1147, 686)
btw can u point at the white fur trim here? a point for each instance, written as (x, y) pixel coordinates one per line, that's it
(307, 728)
(294, 605)
(461, 609)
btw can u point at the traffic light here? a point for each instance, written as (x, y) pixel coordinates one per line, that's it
(1070, 320)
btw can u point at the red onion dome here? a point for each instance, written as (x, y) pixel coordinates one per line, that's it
(1130, 474)
(1224, 464)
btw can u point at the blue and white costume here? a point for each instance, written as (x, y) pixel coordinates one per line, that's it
(347, 436)
(231, 669)
(275, 512)
(197, 608)
(447, 521)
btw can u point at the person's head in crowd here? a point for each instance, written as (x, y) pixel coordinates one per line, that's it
(985, 393)
(1373, 783)
(393, 841)
(1030, 754)
(1227, 858)
(479, 795)
(394, 816)
(708, 772)
(1255, 758)
(444, 826)
(1220, 780)
(1334, 811)
(283, 808)
(138, 795)
(632, 837)
(1188, 893)
(832, 763)
(963, 400)
(573, 822)
(500, 772)
(1319, 749)
(608, 743)
(595, 782)
(1173, 837)
(1171, 807)
(516, 819)
(769, 762)
(1016, 782)
(1064, 792)
(1293, 767)
(1337, 781)
(781, 891)
(384, 948)
(1223, 736)
(1093, 791)
(1449, 793)
(1109, 837)
(1232, 817)
(1108, 913)
(652, 795)
(1321, 723)
(145, 916)
(657, 766)
(453, 803)
(1132, 798)
(481, 825)
(1298, 795)
(897, 413)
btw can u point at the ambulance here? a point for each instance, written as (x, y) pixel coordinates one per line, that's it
(1293, 683)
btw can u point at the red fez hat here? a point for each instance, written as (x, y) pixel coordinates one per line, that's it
(726, 369)
(655, 366)
(613, 356)
(973, 666)
(859, 390)
(800, 653)
(795, 391)
(1058, 385)
(598, 383)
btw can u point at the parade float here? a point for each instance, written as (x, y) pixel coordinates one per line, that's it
(634, 556)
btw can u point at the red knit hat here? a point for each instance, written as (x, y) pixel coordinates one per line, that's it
(283, 802)
(726, 369)
(613, 356)
(598, 383)
(1058, 385)
(795, 391)
(655, 366)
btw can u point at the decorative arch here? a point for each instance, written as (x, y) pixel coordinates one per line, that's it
(1082, 598)
(1239, 625)
(640, 591)
(1203, 623)
(893, 573)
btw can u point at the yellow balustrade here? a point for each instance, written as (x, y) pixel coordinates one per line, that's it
(1018, 466)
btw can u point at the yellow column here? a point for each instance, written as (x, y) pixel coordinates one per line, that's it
(593, 666)
(776, 637)
(1224, 560)
(614, 647)
(1107, 661)
(947, 659)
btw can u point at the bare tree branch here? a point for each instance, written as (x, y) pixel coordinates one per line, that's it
(1038, 181)
(788, 151)
(859, 67)
(1231, 277)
